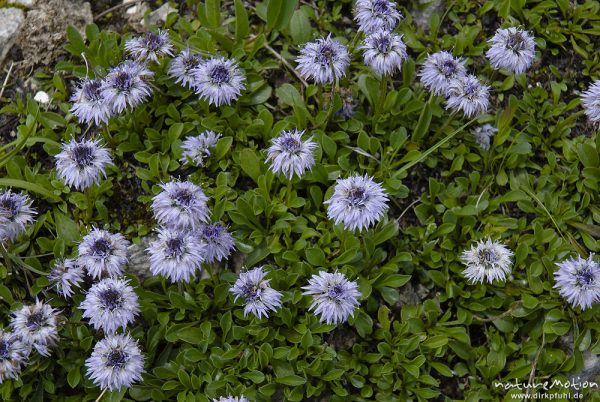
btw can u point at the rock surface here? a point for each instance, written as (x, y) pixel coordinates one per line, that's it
(12, 21)
(24, 3)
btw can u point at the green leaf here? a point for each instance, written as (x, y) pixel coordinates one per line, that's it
(292, 380)
(393, 281)
(300, 28)
(241, 20)
(213, 13)
(279, 13)
(316, 257)
(423, 124)
(66, 228)
(36, 188)
(74, 377)
(333, 375)
(250, 163)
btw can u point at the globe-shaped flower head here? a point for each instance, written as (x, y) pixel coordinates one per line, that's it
(83, 163)
(323, 60)
(259, 297)
(357, 202)
(180, 206)
(483, 135)
(468, 95)
(219, 242)
(15, 214)
(440, 70)
(219, 81)
(176, 255)
(231, 398)
(334, 297)
(110, 304)
(487, 260)
(289, 154)
(89, 104)
(13, 355)
(35, 325)
(66, 274)
(103, 253)
(591, 102)
(384, 52)
(115, 362)
(196, 149)
(183, 66)
(512, 49)
(376, 15)
(150, 46)
(578, 281)
(127, 85)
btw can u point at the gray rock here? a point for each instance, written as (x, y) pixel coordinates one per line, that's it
(139, 259)
(24, 3)
(12, 21)
(426, 9)
(159, 16)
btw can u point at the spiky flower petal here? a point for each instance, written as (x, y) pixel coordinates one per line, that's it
(334, 297)
(182, 68)
(103, 253)
(127, 85)
(289, 154)
(195, 149)
(487, 260)
(89, 103)
(219, 242)
(66, 274)
(591, 102)
(231, 398)
(440, 70)
(259, 297)
(36, 325)
(376, 15)
(13, 355)
(150, 46)
(384, 52)
(116, 362)
(468, 95)
(219, 81)
(176, 255)
(83, 163)
(578, 281)
(357, 202)
(323, 60)
(110, 304)
(512, 49)
(15, 213)
(483, 135)
(181, 206)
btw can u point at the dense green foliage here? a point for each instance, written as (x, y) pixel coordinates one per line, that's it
(422, 331)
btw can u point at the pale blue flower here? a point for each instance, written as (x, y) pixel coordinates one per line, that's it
(66, 274)
(127, 85)
(83, 163)
(14, 354)
(259, 297)
(440, 70)
(230, 398)
(176, 255)
(290, 155)
(578, 281)
(219, 81)
(150, 46)
(181, 206)
(103, 253)
(335, 298)
(219, 242)
(89, 104)
(15, 214)
(323, 60)
(591, 102)
(116, 362)
(483, 135)
(110, 304)
(196, 149)
(468, 95)
(376, 15)
(384, 52)
(36, 326)
(182, 68)
(512, 49)
(487, 260)
(357, 202)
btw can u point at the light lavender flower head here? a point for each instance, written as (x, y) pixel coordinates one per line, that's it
(89, 104)
(376, 15)
(487, 260)
(323, 60)
(176, 255)
(110, 304)
(259, 297)
(468, 95)
(483, 135)
(66, 274)
(591, 102)
(36, 325)
(384, 52)
(334, 297)
(357, 202)
(180, 206)
(182, 68)
(578, 281)
(440, 70)
(83, 163)
(219, 242)
(15, 213)
(116, 362)
(103, 253)
(289, 154)
(231, 398)
(512, 49)
(195, 149)
(150, 47)
(14, 354)
(219, 81)
(127, 85)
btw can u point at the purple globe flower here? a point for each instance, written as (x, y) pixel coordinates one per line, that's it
(15, 214)
(150, 47)
(36, 325)
(323, 60)
(66, 274)
(384, 52)
(14, 354)
(176, 255)
(259, 297)
(219, 81)
(290, 155)
(334, 297)
(512, 49)
(183, 66)
(440, 70)
(181, 206)
(127, 85)
(468, 95)
(103, 253)
(83, 163)
(89, 104)
(376, 15)
(219, 242)
(578, 281)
